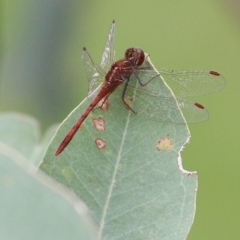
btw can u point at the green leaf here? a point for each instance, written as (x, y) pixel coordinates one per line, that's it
(129, 171)
(22, 133)
(33, 206)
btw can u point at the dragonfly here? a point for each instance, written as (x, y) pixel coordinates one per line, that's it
(135, 74)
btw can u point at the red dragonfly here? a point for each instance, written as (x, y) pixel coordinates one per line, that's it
(134, 73)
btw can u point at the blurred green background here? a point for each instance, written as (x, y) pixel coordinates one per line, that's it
(41, 74)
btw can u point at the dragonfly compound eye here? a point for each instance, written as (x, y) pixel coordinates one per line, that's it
(135, 56)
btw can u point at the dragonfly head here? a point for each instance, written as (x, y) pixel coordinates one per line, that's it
(135, 56)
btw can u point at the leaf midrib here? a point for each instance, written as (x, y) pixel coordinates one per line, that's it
(113, 180)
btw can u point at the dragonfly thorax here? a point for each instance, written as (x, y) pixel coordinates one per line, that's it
(120, 71)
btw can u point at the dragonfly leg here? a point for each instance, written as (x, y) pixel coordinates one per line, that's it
(144, 84)
(123, 94)
(105, 98)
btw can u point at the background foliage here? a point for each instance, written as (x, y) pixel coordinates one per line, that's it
(42, 74)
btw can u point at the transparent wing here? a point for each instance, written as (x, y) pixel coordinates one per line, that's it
(193, 83)
(161, 108)
(168, 109)
(95, 73)
(185, 83)
(157, 101)
(109, 53)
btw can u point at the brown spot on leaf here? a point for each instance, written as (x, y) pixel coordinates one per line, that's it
(99, 124)
(164, 143)
(100, 143)
(103, 104)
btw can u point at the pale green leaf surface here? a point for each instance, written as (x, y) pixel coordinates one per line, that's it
(133, 189)
(22, 133)
(19, 131)
(32, 205)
